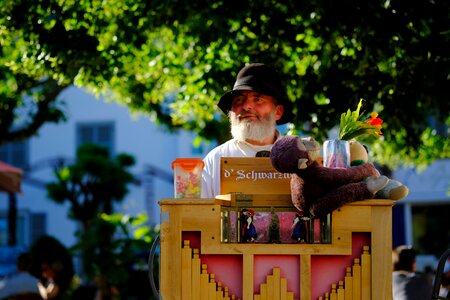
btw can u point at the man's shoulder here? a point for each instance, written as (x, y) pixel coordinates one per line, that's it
(24, 277)
(222, 149)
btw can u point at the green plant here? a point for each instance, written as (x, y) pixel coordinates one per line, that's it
(112, 250)
(354, 124)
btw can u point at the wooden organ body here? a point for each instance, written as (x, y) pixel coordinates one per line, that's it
(199, 262)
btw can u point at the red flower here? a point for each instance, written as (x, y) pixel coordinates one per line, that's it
(375, 121)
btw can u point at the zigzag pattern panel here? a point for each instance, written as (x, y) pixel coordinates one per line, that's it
(197, 283)
(275, 288)
(356, 284)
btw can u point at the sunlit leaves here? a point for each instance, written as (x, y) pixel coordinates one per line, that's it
(172, 60)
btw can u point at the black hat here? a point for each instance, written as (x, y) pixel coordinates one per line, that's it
(259, 78)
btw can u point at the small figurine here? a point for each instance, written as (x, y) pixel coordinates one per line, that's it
(248, 231)
(299, 228)
(274, 228)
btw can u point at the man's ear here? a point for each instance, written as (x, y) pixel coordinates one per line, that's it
(279, 109)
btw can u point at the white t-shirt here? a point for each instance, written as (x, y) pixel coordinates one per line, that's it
(17, 284)
(231, 148)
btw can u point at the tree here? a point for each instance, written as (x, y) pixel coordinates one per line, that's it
(91, 185)
(113, 264)
(26, 104)
(174, 59)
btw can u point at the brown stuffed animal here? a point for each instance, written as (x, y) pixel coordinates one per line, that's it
(318, 190)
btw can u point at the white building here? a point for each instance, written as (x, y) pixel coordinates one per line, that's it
(107, 123)
(422, 219)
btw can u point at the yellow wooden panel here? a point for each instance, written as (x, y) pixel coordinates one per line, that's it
(186, 270)
(341, 291)
(276, 283)
(170, 258)
(333, 294)
(212, 287)
(270, 285)
(226, 295)
(283, 289)
(252, 175)
(247, 277)
(194, 201)
(195, 273)
(263, 292)
(219, 292)
(352, 218)
(356, 271)
(348, 284)
(265, 200)
(366, 289)
(204, 283)
(305, 276)
(341, 247)
(381, 256)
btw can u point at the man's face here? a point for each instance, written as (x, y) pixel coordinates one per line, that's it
(253, 116)
(251, 106)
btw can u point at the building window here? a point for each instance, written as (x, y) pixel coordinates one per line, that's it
(101, 134)
(29, 227)
(15, 154)
(38, 226)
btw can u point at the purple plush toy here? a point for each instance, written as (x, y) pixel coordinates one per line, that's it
(319, 190)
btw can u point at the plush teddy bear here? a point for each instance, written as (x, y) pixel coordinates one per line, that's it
(318, 190)
(394, 189)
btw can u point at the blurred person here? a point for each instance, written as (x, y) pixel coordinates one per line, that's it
(407, 283)
(48, 287)
(22, 283)
(52, 265)
(444, 290)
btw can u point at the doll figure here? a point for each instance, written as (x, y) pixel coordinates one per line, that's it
(299, 228)
(274, 228)
(248, 230)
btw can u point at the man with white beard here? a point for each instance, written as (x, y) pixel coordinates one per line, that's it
(257, 103)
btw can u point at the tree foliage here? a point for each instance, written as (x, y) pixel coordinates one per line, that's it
(92, 184)
(113, 263)
(174, 59)
(26, 104)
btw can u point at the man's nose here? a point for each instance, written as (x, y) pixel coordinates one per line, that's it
(247, 104)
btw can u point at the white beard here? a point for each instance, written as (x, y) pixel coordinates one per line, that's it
(258, 130)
